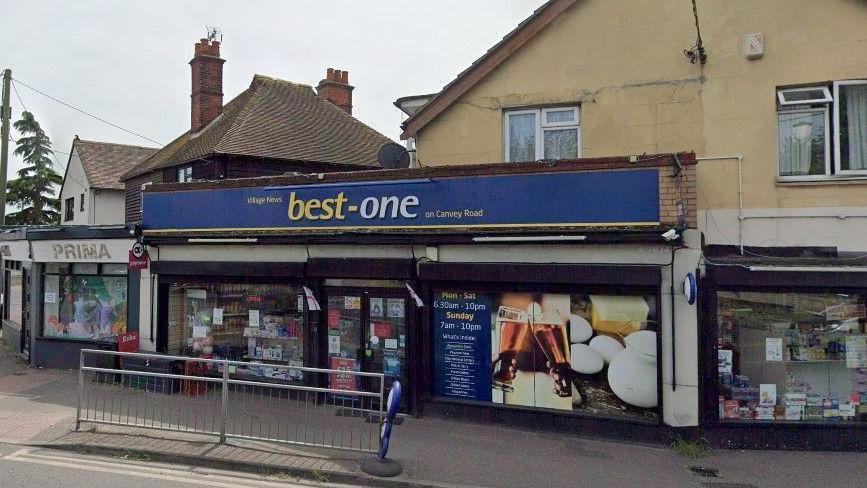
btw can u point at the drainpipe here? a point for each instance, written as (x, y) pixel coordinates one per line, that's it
(740, 160)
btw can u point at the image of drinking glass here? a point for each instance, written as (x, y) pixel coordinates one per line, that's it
(566, 376)
(514, 329)
(549, 332)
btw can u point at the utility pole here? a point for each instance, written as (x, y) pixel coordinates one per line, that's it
(4, 145)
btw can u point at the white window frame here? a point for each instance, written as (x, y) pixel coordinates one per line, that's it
(541, 126)
(827, 114)
(784, 102)
(546, 124)
(508, 114)
(837, 162)
(185, 174)
(141, 196)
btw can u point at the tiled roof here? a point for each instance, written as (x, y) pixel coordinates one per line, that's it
(276, 119)
(104, 162)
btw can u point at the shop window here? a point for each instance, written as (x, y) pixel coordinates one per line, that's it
(809, 145)
(13, 296)
(791, 356)
(85, 268)
(593, 354)
(56, 268)
(551, 133)
(115, 268)
(241, 322)
(84, 305)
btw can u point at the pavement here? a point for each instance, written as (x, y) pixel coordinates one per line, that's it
(37, 411)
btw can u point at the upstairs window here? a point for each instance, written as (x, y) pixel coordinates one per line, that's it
(822, 130)
(68, 209)
(795, 96)
(850, 117)
(545, 133)
(185, 174)
(81, 203)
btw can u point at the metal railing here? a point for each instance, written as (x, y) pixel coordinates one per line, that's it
(231, 399)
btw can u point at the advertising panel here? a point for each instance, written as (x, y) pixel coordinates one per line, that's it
(589, 353)
(566, 199)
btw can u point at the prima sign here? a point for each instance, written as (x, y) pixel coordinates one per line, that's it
(17, 250)
(81, 252)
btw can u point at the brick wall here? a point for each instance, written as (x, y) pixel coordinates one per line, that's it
(677, 195)
(336, 89)
(206, 99)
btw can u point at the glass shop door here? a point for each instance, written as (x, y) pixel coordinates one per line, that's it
(344, 343)
(367, 331)
(385, 337)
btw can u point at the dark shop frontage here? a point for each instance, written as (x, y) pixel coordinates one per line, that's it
(541, 293)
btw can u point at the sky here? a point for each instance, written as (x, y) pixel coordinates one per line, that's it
(127, 61)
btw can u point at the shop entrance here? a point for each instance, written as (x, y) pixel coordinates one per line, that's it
(367, 330)
(26, 279)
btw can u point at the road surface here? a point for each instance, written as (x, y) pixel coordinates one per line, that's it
(29, 467)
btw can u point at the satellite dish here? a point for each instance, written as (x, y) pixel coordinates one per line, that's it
(393, 156)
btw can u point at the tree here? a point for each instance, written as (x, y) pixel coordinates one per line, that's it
(32, 193)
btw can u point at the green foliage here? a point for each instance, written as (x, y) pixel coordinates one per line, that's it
(691, 449)
(32, 193)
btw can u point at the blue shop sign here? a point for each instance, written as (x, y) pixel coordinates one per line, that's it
(568, 199)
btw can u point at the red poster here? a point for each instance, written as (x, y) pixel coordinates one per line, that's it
(128, 342)
(383, 331)
(333, 319)
(138, 263)
(343, 381)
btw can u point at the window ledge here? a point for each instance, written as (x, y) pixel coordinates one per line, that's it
(819, 181)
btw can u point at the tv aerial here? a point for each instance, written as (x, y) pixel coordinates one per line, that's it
(214, 33)
(393, 156)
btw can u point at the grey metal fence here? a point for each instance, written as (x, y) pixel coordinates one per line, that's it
(230, 399)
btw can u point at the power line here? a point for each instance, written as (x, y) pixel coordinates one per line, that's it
(85, 112)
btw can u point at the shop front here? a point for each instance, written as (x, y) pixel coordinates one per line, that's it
(85, 295)
(569, 342)
(17, 279)
(787, 351)
(557, 309)
(279, 307)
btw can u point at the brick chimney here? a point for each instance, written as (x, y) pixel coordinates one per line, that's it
(336, 89)
(206, 99)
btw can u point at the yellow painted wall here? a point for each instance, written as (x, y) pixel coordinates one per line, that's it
(623, 61)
